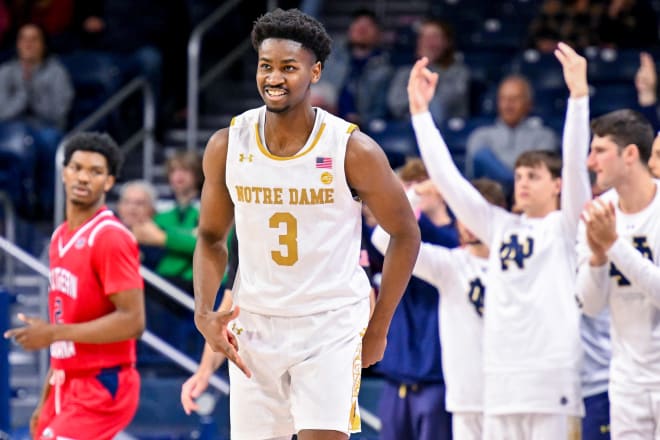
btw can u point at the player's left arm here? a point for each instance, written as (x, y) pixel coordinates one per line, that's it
(634, 264)
(575, 191)
(368, 172)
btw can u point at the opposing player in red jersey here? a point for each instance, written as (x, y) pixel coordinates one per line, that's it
(96, 306)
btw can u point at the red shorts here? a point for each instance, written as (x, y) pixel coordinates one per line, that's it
(93, 405)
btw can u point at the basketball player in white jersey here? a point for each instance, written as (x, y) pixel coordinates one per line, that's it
(459, 275)
(293, 177)
(531, 325)
(619, 254)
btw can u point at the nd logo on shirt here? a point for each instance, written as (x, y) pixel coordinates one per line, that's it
(641, 244)
(516, 252)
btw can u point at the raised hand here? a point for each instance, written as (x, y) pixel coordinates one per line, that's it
(646, 80)
(421, 86)
(213, 326)
(575, 70)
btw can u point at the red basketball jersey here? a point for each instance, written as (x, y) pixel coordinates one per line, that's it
(87, 265)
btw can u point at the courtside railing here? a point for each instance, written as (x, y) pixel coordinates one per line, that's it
(197, 84)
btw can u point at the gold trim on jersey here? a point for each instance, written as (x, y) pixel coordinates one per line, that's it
(351, 128)
(268, 154)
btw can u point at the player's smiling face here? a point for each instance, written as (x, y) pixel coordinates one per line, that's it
(285, 72)
(86, 178)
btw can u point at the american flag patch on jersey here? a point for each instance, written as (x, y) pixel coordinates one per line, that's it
(323, 162)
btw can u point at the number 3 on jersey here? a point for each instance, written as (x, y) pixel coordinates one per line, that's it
(288, 239)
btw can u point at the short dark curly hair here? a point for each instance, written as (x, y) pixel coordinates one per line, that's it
(295, 25)
(100, 143)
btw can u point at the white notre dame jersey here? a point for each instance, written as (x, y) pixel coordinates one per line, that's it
(630, 284)
(460, 279)
(297, 223)
(532, 349)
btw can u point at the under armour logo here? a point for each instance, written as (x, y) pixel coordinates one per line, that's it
(236, 329)
(242, 157)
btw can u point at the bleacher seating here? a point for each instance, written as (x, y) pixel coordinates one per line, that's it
(95, 78)
(17, 162)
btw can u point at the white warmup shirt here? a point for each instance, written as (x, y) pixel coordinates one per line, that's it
(630, 284)
(532, 347)
(460, 279)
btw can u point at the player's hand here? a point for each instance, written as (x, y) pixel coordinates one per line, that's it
(646, 80)
(373, 348)
(421, 86)
(35, 335)
(192, 389)
(34, 419)
(575, 70)
(600, 221)
(214, 327)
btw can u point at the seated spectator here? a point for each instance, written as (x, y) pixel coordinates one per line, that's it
(435, 41)
(575, 22)
(136, 206)
(492, 150)
(359, 70)
(174, 230)
(36, 93)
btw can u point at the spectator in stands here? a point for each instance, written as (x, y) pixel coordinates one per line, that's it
(412, 404)
(35, 96)
(646, 83)
(55, 17)
(137, 206)
(435, 40)
(575, 22)
(144, 38)
(628, 23)
(360, 71)
(492, 150)
(175, 229)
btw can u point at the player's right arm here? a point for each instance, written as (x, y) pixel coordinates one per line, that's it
(210, 257)
(433, 262)
(462, 198)
(211, 361)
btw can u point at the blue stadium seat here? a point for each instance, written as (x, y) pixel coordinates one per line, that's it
(456, 132)
(487, 65)
(612, 66)
(550, 103)
(396, 138)
(17, 162)
(607, 98)
(494, 33)
(95, 78)
(543, 70)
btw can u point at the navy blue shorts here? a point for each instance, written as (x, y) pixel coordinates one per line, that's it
(596, 423)
(415, 412)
